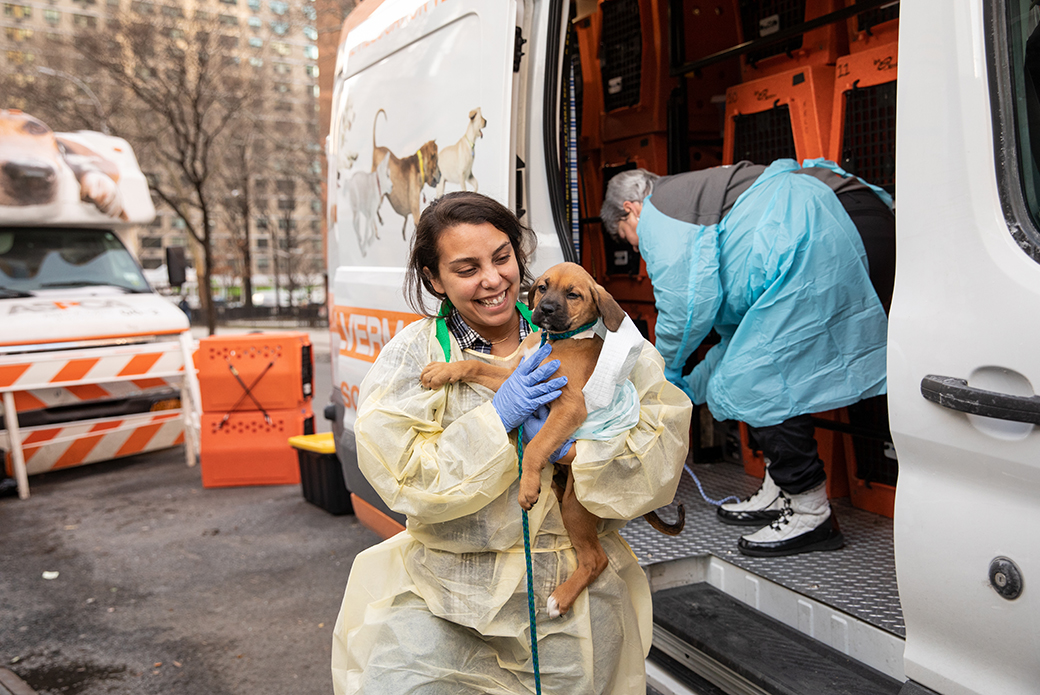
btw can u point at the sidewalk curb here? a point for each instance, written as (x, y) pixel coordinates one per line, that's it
(11, 684)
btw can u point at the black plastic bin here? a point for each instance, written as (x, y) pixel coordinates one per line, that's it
(321, 476)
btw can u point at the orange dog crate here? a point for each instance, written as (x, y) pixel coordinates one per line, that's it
(708, 30)
(872, 465)
(248, 450)
(831, 447)
(784, 115)
(820, 46)
(873, 28)
(288, 381)
(633, 60)
(589, 31)
(863, 124)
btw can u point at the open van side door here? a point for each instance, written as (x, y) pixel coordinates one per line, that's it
(963, 369)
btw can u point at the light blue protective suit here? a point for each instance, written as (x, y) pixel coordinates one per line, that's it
(783, 279)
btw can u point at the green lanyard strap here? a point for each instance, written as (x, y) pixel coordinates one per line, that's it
(443, 335)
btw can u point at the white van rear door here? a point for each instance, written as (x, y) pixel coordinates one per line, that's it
(415, 72)
(409, 72)
(964, 331)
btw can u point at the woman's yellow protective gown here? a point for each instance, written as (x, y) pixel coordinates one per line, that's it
(442, 607)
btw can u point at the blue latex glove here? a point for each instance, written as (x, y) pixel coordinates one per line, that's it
(533, 425)
(527, 388)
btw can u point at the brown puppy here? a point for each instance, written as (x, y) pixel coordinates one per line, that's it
(564, 299)
(408, 175)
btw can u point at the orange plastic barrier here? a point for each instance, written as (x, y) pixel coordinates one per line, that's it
(248, 450)
(817, 47)
(784, 115)
(863, 124)
(283, 359)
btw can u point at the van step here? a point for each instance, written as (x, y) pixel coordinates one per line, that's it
(744, 652)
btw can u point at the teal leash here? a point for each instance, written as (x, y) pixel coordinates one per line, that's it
(530, 571)
(445, 343)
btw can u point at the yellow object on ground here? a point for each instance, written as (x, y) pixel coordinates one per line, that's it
(442, 607)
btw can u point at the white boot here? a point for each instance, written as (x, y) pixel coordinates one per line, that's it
(761, 508)
(805, 523)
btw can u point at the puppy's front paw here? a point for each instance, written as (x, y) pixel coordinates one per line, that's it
(436, 374)
(552, 607)
(529, 492)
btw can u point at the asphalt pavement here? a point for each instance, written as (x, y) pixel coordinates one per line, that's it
(130, 577)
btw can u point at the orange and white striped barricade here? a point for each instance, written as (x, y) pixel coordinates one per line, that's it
(27, 378)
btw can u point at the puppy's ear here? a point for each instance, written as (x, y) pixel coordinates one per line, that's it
(609, 310)
(532, 291)
(472, 114)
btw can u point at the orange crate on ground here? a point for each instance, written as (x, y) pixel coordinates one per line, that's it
(863, 122)
(248, 450)
(820, 46)
(288, 381)
(831, 448)
(784, 115)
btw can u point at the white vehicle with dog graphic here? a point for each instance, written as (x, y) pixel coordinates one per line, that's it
(540, 102)
(92, 361)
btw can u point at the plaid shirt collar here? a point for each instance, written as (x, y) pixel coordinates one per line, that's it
(469, 339)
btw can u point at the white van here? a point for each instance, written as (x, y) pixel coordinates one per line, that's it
(546, 99)
(92, 360)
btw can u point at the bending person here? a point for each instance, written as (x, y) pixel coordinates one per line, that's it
(775, 259)
(442, 607)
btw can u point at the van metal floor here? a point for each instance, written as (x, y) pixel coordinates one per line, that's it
(859, 579)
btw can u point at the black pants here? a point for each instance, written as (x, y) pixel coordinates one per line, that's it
(877, 228)
(790, 447)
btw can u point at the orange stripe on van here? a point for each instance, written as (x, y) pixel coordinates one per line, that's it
(137, 441)
(364, 332)
(75, 370)
(140, 364)
(88, 392)
(9, 374)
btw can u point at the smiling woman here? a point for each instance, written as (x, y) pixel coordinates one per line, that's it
(471, 252)
(443, 606)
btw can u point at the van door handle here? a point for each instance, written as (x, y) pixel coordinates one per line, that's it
(951, 392)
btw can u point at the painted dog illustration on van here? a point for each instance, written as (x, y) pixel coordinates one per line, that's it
(33, 160)
(408, 175)
(365, 191)
(456, 161)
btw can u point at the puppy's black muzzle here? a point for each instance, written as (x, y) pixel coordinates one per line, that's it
(549, 315)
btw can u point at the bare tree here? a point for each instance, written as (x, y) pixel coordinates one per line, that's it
(237, 176)
(183, 94)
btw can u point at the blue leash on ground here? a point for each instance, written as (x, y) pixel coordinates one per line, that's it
(706, 498)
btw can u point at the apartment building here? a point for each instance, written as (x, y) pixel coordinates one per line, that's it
(275, 40)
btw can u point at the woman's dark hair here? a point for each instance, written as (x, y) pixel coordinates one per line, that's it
(451, 210)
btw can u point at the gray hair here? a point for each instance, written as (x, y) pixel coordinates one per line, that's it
(633, 185)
